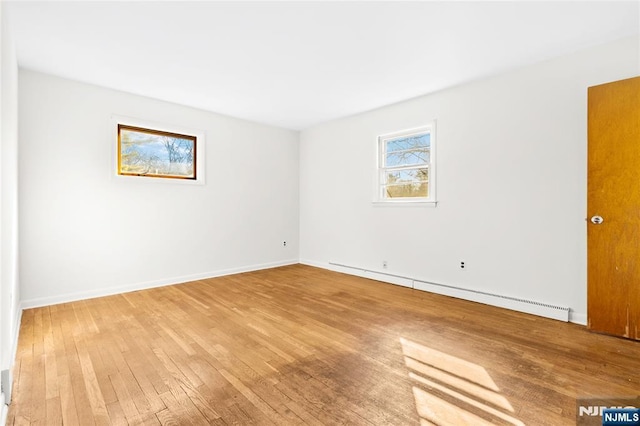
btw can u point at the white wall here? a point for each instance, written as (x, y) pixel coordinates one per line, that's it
(511, 184)
(9, 290)
(84, 233)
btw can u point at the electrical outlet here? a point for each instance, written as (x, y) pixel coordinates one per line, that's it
(384, 264)
(284, 244)
(462, 265)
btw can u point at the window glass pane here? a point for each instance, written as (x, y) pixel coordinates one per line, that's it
(407, 158)
(407, 190)
(407, 176)
(420, 141)
(407, 183)
(150, 153)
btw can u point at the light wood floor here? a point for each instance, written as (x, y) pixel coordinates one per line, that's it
(300, 345)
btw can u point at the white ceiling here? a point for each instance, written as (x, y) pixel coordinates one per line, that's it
(296, 64)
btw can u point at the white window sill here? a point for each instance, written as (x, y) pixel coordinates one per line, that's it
(405, 203)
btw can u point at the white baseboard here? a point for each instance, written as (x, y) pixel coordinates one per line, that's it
(373, 275)
(320, 265)
(110, 291)
(513, 303)
(578, 318)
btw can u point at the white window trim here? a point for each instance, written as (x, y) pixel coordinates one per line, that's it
(430, 201)
(148, 124)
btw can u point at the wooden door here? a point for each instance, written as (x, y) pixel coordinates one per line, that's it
(614, 195)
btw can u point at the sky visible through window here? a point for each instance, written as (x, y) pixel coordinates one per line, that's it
(407, 151)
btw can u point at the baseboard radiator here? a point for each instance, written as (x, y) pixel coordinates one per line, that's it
(514, 303)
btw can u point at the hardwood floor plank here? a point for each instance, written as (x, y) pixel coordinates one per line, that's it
(126, 401)
(67, 401)
(257, 402)
(94, 394)
(220, 395)
(178, 401)
(128, 385)
(199, 401)
(38, 388)
(51, 368)
(23, 373)
(174, 413)
(116, 414)
(53, 411)
(101, 371)
(144, 375)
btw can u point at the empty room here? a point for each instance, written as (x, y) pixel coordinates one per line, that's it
(306, 212)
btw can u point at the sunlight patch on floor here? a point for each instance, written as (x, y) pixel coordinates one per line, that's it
(452, 391)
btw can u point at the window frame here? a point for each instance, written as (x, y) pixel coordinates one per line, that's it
(162, 129)
(193, 139)
(382, 169)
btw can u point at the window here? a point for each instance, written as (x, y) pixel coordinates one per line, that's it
(406, 166)
(156, 153)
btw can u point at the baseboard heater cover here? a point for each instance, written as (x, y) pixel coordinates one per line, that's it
(508, 302)
(521, 305)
